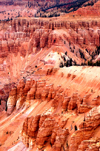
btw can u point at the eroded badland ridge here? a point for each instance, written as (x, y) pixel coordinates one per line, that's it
(49, 77)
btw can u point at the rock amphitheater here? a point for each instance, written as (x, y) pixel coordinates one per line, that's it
(49, 95)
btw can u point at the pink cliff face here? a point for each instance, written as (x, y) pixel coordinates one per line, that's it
(49, 75)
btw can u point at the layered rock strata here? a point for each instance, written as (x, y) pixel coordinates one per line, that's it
(86, 130)
(42, 129)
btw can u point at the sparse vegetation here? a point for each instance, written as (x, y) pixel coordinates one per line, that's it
(82, 54)
(90, 63)
(96, 52)
(61, 65)
(66, 53)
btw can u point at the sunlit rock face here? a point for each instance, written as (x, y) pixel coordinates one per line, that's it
(49, 115)
(40, 129)
(22, 39)
(92, 121)
(48, 100)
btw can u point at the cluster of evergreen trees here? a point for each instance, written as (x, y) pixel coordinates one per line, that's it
(90, 63)
(93, 55)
